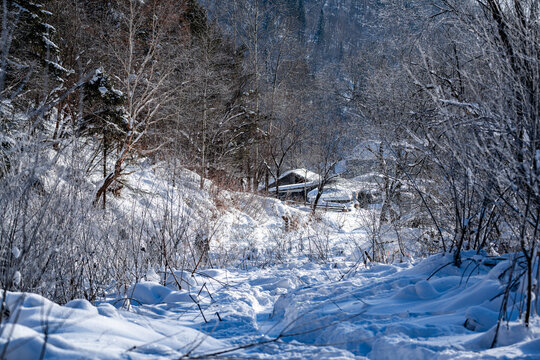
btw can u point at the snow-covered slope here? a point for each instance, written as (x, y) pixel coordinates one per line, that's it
(278, 282)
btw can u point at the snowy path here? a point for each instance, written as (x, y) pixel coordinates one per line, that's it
(296, 311)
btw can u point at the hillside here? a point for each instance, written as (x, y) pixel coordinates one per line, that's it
(296, 288)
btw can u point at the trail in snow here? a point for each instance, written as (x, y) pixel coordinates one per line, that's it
(292, 311)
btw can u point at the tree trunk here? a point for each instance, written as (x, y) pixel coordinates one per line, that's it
(104, 168)
(277, 182)
(266, 180)
(109, 180)
(320, 190)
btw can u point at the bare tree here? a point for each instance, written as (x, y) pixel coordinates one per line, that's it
(325, 152)
(143, 77)
(474, 68)
(285, 137)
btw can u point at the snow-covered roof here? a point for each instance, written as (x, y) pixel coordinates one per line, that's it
(311, 178)
(305, 173)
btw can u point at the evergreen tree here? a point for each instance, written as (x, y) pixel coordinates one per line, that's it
(30, 64)
(104, 116)
(27, 48)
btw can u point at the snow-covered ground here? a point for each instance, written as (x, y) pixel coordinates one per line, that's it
(297, 310)
(296, 286)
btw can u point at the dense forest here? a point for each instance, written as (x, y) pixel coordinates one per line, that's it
(444, 95)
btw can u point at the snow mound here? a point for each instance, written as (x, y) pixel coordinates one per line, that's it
(428, 310)
(38, 327)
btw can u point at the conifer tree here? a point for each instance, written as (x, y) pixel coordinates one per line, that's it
(28, 50)
(103, 115)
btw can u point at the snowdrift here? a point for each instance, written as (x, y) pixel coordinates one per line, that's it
(425, 310)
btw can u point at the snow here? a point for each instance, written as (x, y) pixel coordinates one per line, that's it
(96, 332)
(48, 42)
(58, 67)
(340, 190)
(307, 174)
(299, 288)
(49, 27)
(299, 309)
(341, 193)
(117, 92)
(17, 278)
(311, 178)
